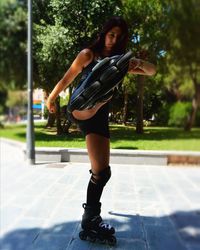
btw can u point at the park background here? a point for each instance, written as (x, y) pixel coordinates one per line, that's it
(159, 112)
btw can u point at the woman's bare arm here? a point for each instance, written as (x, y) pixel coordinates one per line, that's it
(141, 67)
(81, 61)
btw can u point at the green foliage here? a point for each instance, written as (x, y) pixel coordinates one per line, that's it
(3, 97)
(128, 83)
(50, 55)
(13, 18)
(162, 117)
(177, 81)
(148, 23)
(16, 98)
(62, 31)
(42, 12)
(167, 31)
(185, 19)
(197, 122)
(184, 37)
(183, 57)
(179, 113)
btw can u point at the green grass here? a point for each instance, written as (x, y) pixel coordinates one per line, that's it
(154, 138)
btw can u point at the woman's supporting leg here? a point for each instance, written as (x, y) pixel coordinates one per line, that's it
(99, 153)
(92, 224)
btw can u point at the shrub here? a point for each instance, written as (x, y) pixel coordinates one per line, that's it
(179, 113)
(162, 117)
(197, 121)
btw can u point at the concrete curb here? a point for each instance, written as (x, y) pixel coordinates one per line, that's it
(117, 156)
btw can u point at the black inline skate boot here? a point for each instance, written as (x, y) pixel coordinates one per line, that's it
(106, 75)
(94, 229)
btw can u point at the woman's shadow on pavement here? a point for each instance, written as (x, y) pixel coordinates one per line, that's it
(178, 231)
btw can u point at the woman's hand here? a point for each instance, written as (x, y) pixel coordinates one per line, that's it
(51, 105)
(134, 63)
(141, 67)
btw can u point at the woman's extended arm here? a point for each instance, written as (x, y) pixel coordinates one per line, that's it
(141, 67)
(81, 61)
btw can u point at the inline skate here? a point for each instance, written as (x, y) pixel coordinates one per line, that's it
(94, 229)
(100, 83)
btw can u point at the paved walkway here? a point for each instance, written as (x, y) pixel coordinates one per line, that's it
(151, 207)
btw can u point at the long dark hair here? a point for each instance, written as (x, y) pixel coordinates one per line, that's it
(120, 46)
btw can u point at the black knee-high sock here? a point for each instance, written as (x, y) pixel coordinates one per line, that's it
(96, 185)
(94, 192)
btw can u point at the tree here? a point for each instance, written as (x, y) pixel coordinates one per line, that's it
(61, 31)
(13, 19)
(148, 23)
(185, 50)
(12, 48)
(128, 88)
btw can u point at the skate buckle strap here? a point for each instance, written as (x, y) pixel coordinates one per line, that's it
(102, 177)
(92, 173)
(93, 179)
(97, 219)
(101, 223)
(105, 225)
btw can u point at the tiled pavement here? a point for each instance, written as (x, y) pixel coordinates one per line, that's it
(151, 207)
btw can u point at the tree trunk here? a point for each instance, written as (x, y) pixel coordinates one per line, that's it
(66, 123)
(58, 119)
(140, 94)
(195, 105)
(125, 109)
(51, 120)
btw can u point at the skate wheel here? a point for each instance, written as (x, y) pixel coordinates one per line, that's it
(92, 90)
(82, 235)
(123, 62)
(112, 241)
(77, 104)
(101, 65)
(108, 74)
(91, 239)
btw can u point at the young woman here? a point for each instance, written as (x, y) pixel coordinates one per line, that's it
(93, 122)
